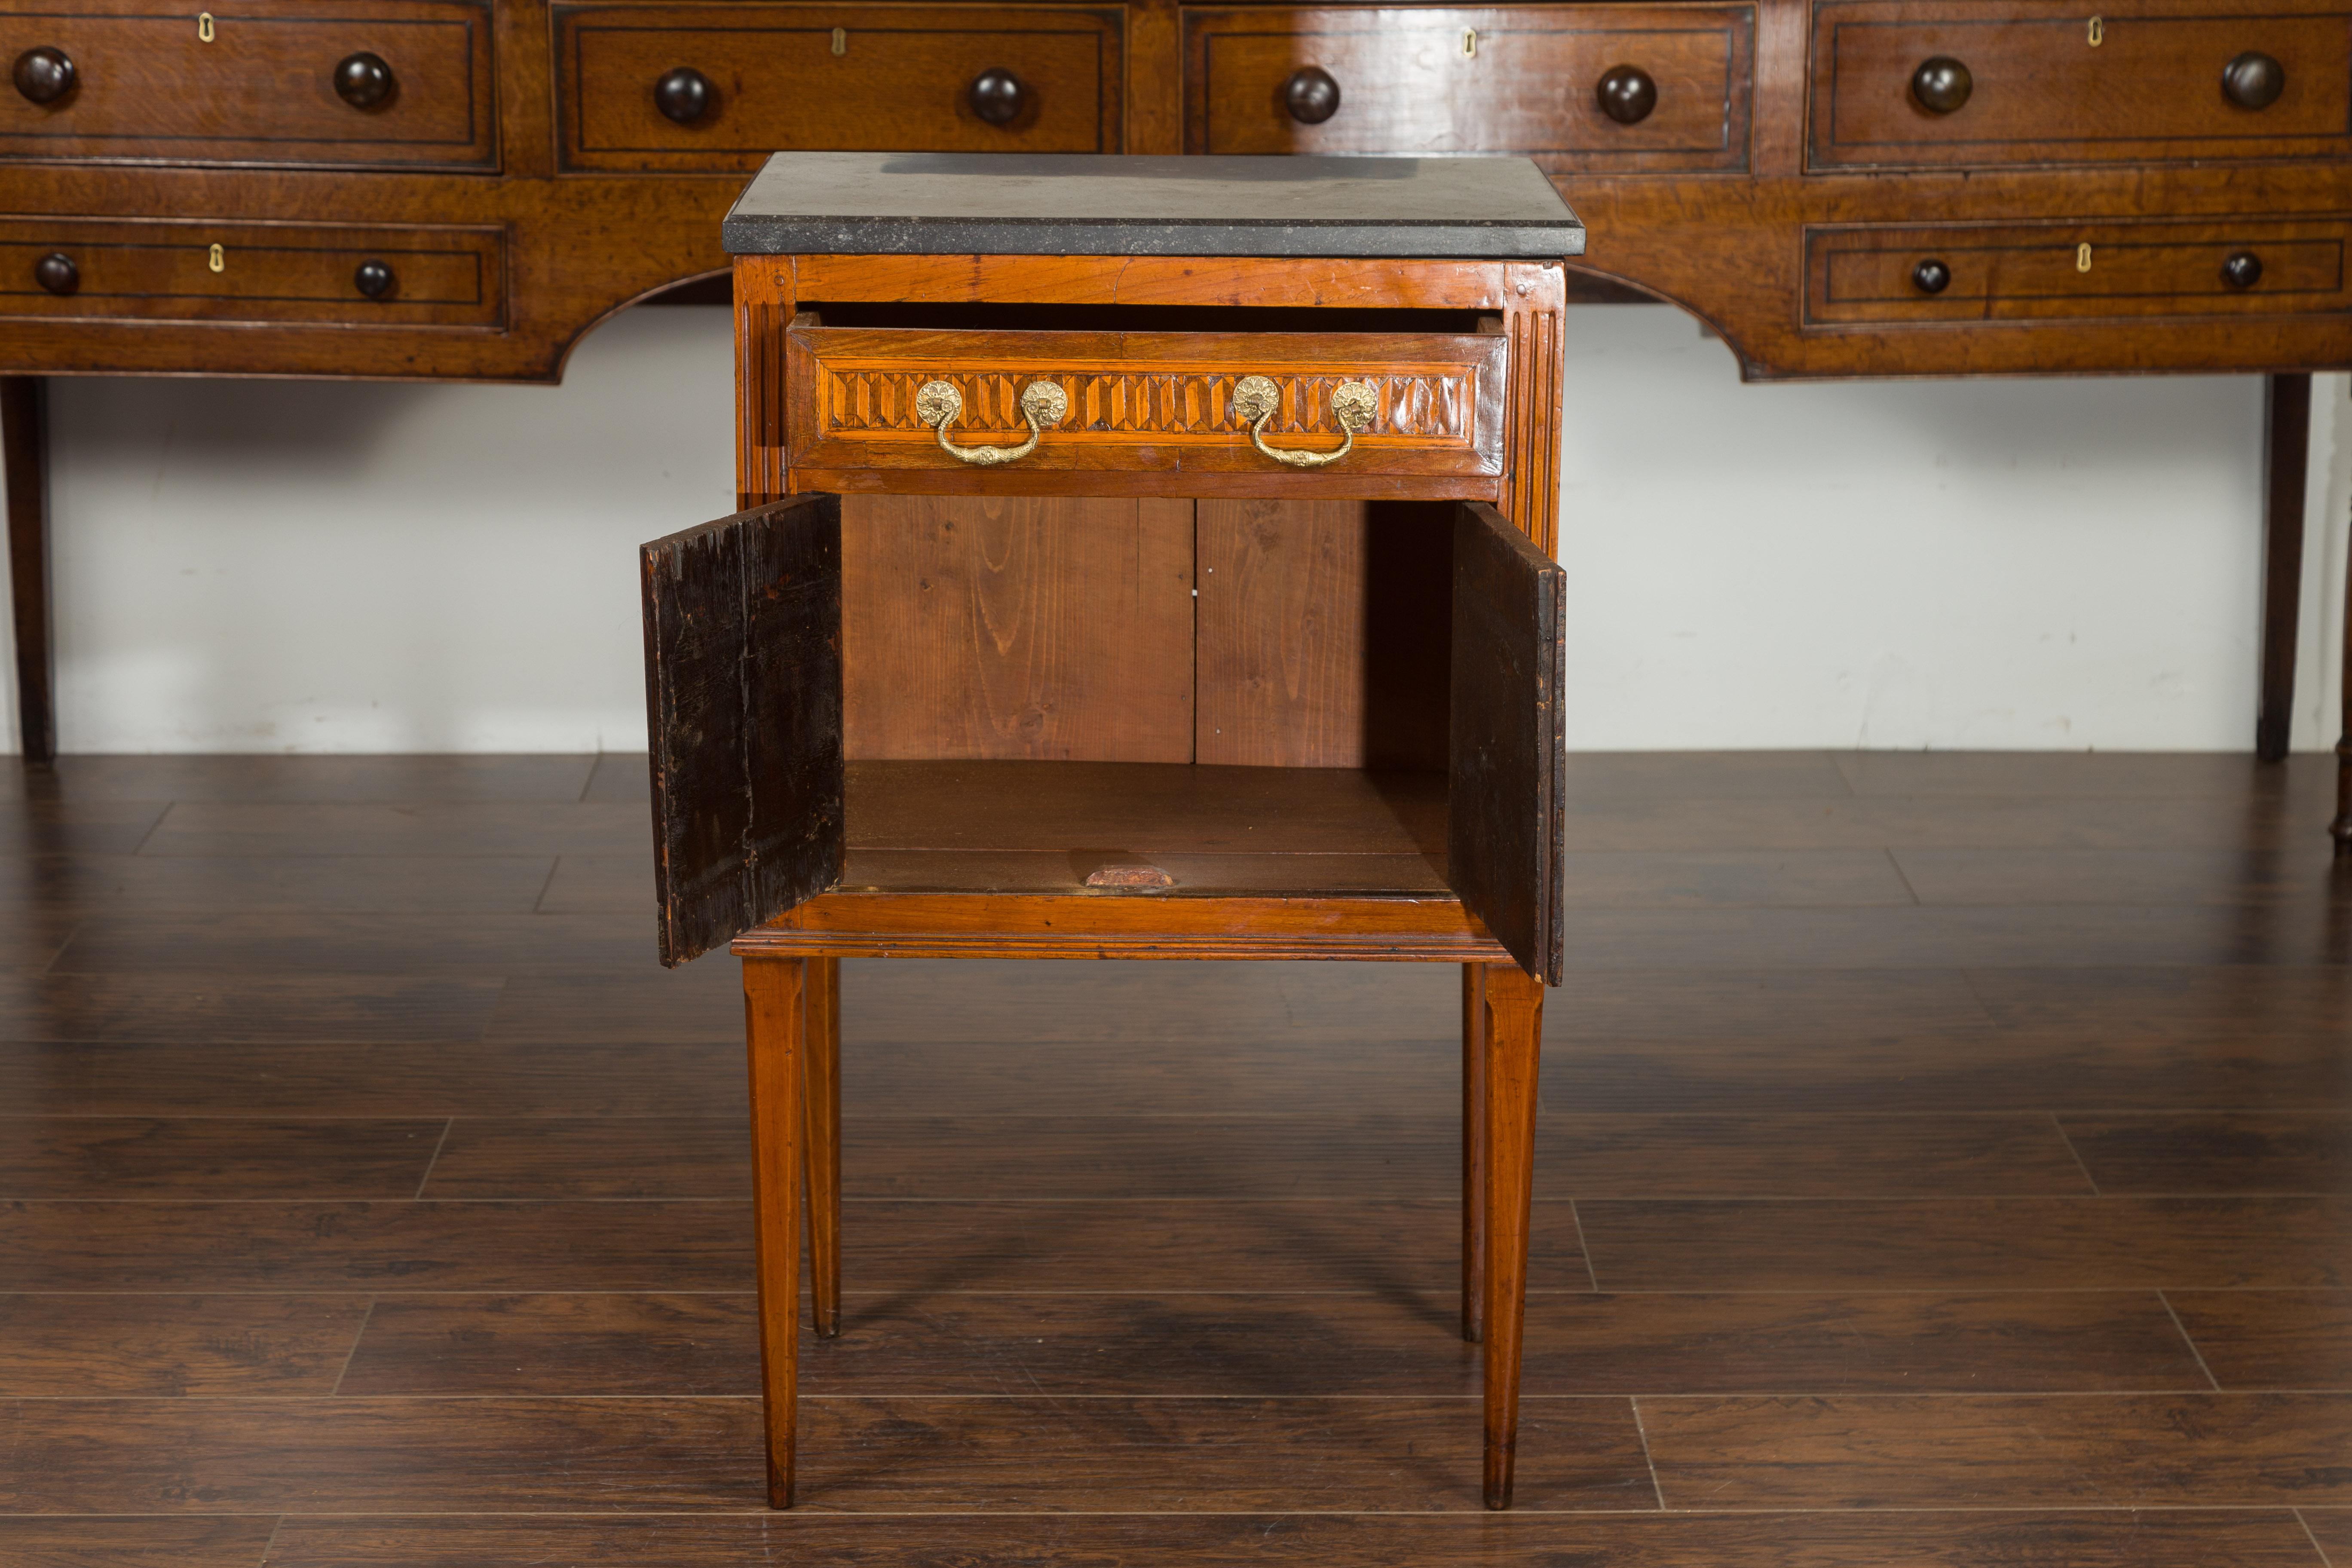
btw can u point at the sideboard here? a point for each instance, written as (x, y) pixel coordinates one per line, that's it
(459, 189)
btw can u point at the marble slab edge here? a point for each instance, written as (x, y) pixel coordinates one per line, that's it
(949, 236)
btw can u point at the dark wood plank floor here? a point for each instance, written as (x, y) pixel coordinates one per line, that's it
(1946, 1160)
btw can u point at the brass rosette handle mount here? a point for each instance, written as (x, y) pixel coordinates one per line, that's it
(939, 405)
(1353, 404)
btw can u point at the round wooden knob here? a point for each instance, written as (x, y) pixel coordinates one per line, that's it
(683, 94)
(1942, 85)
(1931, 276)
(2253, 80)
(2243, 269)
(372, 278)
(1312, 95)
(57, 273)
(1627, 94)
(997, 96)
(45, 75)
(362, 80)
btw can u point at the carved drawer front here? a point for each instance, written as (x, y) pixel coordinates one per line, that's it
(1936, 83)
(173, 270)
(389, 83)
(703, 87)
(1965, 274)
(1624, 88)
(1145, 413)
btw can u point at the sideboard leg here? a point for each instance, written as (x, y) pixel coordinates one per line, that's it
(1514, 1027)
(774, 1019)
(25, 448)
(1473, 1150)
(2286, 443)
(824, 1057)
(2342, 826)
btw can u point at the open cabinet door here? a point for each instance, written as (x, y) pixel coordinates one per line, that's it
(743, 699)
(1506, 751)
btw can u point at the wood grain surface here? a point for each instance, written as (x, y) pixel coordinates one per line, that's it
(1017, 628)
(742, 636)
(349, 1238)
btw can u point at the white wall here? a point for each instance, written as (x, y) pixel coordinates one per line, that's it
(266, 566)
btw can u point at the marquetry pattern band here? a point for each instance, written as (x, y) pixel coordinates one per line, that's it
(1426, 405)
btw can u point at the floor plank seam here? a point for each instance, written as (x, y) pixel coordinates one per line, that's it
(1648, 1462)
(1583, 1247)
(2313, 1536)
(2189, 1339)
(367, 1315)
(539, 904)
(433, 1159)
(2058, 1123)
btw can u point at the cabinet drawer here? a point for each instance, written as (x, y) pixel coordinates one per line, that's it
(1146, 404)
(2049, 83)
(1524, 79)
(700, 87)
(149, 88)
(2021, 272)
(167, 269)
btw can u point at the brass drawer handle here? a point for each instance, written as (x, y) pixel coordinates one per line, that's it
(1353, 404)
(938, 405)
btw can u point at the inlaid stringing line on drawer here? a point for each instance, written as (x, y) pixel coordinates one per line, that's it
(1426, 406)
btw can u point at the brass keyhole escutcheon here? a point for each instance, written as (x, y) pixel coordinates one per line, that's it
(2098, 33)
(2082, 257)
(204, 26)
(1353, 404)
(841, 40)
(217, 259)
(939, 405)
(1470, 43)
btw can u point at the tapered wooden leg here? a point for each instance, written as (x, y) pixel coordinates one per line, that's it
(25, 451)
(2342, 826)
(774, 1021)
(1473, 1150)
(1514, 1029)
(822, 1055)
(2286, 420)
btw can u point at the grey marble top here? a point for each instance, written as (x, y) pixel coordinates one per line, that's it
(871, 204)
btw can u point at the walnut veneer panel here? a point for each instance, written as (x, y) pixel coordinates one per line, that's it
(2048, 85)
(2072, 271)
(222, 271)
(830, 78)
(1461, 80)
(148, 87)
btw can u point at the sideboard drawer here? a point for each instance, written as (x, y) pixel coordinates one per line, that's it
(1526, 79)
(1141, 405)
(390, 83)
(194, 269)
(1936, 83)
(2020, 272)
(703, 87)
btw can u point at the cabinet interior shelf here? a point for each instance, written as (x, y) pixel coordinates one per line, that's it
(1046, 828)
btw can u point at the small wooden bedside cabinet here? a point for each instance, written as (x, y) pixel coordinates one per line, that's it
(1123, 360)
